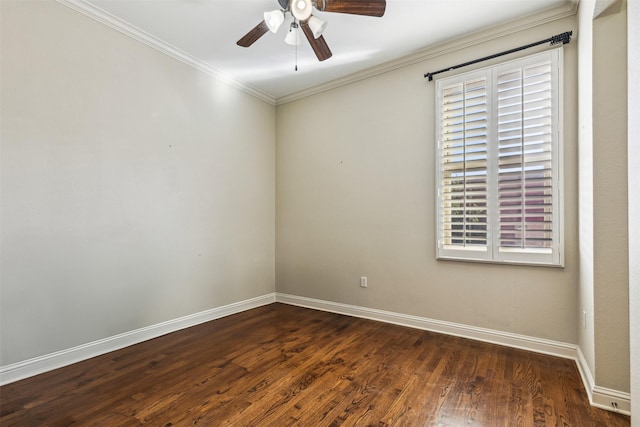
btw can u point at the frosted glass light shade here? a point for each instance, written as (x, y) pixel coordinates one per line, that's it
(274, 19)
(317, 26)
(293, 36)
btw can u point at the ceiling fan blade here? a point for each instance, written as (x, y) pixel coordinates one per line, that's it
(355, 7)
(253, 35)
(318, 45)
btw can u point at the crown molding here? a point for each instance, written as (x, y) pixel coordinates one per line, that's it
(606, 7)
(135, 33)
(568, 9)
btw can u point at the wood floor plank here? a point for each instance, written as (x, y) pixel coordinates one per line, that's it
(280, 365)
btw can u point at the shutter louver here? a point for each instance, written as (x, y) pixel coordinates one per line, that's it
(464, 164)
(525, 179)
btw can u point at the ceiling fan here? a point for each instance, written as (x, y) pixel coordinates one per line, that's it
(312, 26)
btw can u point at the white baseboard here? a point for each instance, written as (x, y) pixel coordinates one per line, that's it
(49, 362)
(602, 397)
(598, 396)
(538, 345)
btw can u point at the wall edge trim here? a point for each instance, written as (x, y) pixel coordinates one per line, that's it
(48, 362)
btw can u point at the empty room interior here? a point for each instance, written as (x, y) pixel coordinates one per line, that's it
(201, 223)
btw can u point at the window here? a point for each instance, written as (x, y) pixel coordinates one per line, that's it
(498, 163)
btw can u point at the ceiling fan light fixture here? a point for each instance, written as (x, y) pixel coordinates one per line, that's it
(293, 36)
(274, 19)
(317, 26)
(301, 9)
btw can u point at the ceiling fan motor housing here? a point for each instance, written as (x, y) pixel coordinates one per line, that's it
(301, 9)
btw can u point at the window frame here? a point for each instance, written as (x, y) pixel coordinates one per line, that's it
(493, 253)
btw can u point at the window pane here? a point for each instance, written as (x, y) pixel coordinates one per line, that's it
(464, 164)
(498, 150)
(525, 205)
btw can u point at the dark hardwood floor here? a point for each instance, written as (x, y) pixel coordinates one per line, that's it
(281, 365)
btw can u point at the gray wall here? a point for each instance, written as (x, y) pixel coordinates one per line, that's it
(134, 190)
(355, 197)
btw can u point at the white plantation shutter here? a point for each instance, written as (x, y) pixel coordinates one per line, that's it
(464, 163)
(498, 160)
(525, 178)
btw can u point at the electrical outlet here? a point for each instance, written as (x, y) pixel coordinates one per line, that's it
(363, 282)
(584, 319)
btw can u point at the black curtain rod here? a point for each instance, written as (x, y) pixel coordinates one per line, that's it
(563, 38)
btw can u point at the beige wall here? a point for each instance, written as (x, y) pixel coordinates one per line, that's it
(133, 192)
(611, 256)
(133, 189)
(604, 257)
(355, 197)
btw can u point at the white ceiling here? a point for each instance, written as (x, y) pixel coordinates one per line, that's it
(208, 30)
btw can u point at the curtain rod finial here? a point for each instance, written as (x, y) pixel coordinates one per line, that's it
(563, 38)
